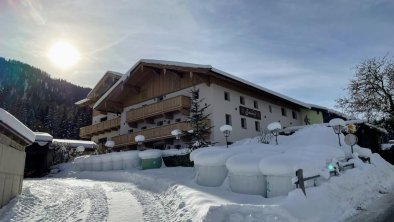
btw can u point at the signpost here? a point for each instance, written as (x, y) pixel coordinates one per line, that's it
(351, 140)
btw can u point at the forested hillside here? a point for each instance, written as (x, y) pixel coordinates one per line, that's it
(41, 102)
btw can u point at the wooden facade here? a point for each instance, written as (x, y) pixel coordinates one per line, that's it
(102, 127)
(158, 133)
(164, 108)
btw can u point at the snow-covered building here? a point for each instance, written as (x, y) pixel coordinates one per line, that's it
(153, 98)
(14, 137)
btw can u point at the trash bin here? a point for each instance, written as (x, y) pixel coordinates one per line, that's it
(150, 159)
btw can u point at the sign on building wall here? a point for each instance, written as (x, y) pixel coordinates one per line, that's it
(243, 111)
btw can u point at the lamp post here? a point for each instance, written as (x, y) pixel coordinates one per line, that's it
(177, 133)
(139, 139)
(226, 130)
(337, 124)
(274, 129)
(109, 144)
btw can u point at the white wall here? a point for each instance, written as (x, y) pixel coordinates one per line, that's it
(222, 107)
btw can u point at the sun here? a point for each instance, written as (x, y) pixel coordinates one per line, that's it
(63, 54)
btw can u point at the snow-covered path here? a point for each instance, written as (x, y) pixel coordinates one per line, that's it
(83, 200)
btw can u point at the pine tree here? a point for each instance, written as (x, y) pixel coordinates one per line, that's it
(198, 119)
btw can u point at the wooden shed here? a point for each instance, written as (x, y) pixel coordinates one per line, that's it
(14, 137)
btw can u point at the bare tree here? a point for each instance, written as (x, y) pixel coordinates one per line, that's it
(371, 92)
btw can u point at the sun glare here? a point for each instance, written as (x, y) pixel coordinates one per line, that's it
(63, 54)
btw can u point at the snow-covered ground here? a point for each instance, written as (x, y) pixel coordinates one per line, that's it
(172, 194)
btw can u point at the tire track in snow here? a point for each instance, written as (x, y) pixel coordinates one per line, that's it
(50, 200)
(166, 206)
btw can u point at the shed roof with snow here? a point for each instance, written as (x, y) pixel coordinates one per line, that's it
(15, 129)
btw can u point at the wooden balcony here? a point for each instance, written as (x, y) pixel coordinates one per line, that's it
(103, 127)
(157, 133)
(164, 108)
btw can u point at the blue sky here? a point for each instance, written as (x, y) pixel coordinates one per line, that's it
(303, 49)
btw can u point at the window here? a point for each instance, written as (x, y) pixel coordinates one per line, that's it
(159, 123)
(196, 94)
(243, 123)
(284, 113)
(103, 119)
(177, 120)
(257, 126)
(227, 96)
(228, 119)
(144, 127)
(255, 104)
(130, 131)
(294, 114)
(168, 121)
(270, 108)
(242, 100)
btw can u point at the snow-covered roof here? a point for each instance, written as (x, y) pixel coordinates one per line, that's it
(75, 143)
(192, 65)
(17, 126)
(100, 87)
(82, 101)
(43, 137)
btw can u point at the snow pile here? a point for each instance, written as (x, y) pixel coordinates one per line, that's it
(387, 146)
(130, 159)
(247, 163)
(149, 154)
(16, 125)
(43, 137)
(174, 152)
(108, 162)
(74, 143)
(274, 126)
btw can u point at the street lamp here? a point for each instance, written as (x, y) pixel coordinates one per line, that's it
(226, 130)
(109, 144)
(274, 129)
(177, 133)
(337, 124)
(139, 139)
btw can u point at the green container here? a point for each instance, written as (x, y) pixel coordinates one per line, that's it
(153, 163)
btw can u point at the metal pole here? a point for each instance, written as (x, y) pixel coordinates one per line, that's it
(352, 148)
(226, 142)
(339, 140)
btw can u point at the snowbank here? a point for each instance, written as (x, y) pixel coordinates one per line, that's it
(286, 165)
(174, 152)
(108, 162)
(149, 154)
(247, 163)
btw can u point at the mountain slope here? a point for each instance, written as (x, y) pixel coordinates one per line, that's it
(40, 102)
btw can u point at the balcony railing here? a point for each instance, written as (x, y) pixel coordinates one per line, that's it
(157, 133)
(98, 128)
(165, 107)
